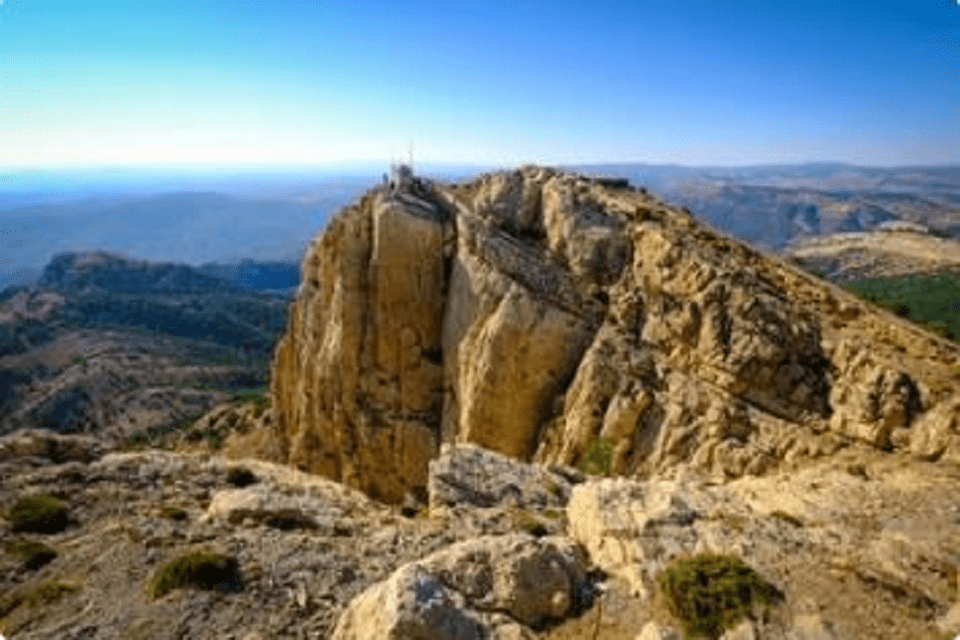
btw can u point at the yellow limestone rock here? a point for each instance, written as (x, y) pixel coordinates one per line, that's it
(537, 313)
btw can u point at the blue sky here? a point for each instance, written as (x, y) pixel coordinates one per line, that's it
(221, 82)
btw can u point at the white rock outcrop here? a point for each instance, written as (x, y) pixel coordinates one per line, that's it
(498, 587)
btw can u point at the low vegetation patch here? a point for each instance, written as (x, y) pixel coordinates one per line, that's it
(33, 554)
(531, 525)
(928, 300)
(199, 570)
(597, 457)
(44, 594)
(241, 477)
(40, 514)
(288, 520)
(710, 593)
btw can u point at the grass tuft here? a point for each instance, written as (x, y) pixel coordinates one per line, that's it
(199, 570)
(40, 514)
(597, 457)
(44, 594)
(531, 525)
(33, 554)
(710, 593)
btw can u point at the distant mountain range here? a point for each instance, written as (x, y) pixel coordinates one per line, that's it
(213, 218)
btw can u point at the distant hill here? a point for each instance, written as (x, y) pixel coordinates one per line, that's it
(109, 343)
(189, 227)
(119, 274)
(250, 274)
(771, 206)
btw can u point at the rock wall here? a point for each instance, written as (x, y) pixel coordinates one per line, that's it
(538, 313)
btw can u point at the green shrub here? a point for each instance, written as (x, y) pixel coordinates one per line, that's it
(288, 520)
(711, 593)
(136, 440)
(200, 570)
(531, 525)
(40, 513)
(597, 457)
(43, 594)
(241, 477)
(33, 554)
(940, 328)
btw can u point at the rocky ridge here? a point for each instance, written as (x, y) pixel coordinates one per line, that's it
(548, 316)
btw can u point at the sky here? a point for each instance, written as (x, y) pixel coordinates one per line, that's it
(87, 83)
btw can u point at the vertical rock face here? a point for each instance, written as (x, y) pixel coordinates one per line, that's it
(358, 377)
(537, 313)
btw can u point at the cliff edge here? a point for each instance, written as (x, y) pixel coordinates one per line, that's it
(562, 319)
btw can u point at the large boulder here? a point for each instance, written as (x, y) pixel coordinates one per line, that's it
(499, 587)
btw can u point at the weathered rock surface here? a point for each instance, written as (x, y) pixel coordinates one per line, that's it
(469, 475)
(869, 551)
(491, 587)
(536, 313)
(862, 545)
(305, 545)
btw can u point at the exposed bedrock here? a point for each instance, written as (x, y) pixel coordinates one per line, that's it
(537, 313)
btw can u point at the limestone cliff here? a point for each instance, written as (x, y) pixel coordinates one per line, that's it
(539, 313)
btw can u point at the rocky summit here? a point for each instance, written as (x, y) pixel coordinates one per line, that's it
(538, 406)
(554, 318)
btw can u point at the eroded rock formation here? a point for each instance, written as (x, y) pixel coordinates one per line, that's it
(536, 313)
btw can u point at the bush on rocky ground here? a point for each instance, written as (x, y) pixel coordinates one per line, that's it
(200, 570)
(597, 457)
(710, 593)
(43, 594)
(39, 514)
(174, 513)
(33, 554)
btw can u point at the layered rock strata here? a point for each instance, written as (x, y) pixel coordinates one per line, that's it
(538, 313)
